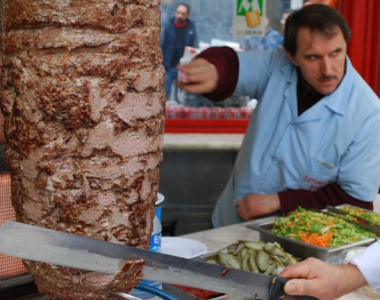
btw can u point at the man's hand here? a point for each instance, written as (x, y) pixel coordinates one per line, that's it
(254, 205)
(201, 77)
(322, 280)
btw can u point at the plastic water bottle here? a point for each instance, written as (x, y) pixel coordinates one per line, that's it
(155, 238)
(155, 246)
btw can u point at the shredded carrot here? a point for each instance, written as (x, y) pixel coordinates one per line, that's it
(289, 224)
(308, 224)
(316, 239)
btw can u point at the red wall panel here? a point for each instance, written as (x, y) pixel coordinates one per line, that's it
(363, 17)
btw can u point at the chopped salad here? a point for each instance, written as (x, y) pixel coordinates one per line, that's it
(319, 229)
(362, 213)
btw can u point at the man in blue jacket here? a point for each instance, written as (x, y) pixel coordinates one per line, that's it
(176, 34)
(314, 138)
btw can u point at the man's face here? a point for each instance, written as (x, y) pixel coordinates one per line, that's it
(181, 14)
(321, 59)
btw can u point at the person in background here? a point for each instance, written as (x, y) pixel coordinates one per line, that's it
(286, 13)
(313, 277)
(176, 34)
(272, 40)
(314, 138)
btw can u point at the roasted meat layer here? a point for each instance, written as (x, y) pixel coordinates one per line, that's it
(83, 102)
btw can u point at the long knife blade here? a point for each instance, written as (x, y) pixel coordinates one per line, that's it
(55, 247)
(363, 223)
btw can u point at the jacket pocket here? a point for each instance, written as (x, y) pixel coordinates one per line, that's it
(321, 173)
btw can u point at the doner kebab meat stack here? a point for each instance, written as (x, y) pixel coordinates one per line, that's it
(83, 103)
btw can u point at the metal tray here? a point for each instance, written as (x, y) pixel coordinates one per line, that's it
(353, 206)
(301, 249)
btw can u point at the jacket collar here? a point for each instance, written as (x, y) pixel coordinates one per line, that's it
(179, 25)
(337, 100)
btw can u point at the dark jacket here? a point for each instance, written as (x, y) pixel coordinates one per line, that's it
(168, 39)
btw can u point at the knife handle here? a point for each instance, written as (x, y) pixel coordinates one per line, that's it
(277, 291)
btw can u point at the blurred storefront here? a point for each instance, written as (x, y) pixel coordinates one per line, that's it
(196, 114)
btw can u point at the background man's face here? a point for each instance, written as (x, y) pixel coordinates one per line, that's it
(181, 14)
(321, 59)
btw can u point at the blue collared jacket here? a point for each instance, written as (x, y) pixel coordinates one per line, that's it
(336, 140)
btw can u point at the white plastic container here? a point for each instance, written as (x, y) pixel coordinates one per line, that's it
(188, 54)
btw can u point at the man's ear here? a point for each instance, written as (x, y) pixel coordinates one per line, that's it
(291, 58)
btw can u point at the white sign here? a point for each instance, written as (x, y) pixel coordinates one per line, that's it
(249, 18)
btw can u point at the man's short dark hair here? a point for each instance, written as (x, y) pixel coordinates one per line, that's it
(317, 17)
(185, 5)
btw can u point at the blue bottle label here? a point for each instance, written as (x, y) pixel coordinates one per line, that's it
(158, 211)
(155, 242)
